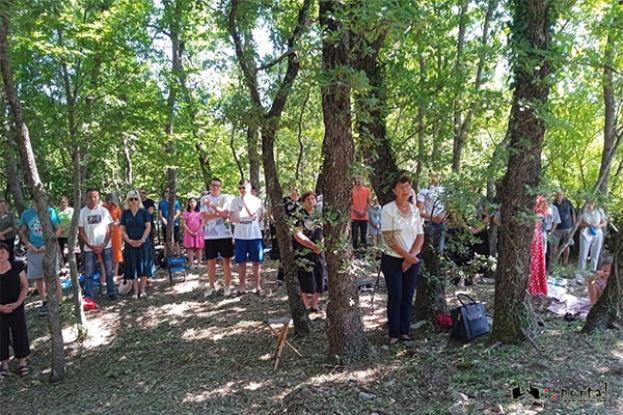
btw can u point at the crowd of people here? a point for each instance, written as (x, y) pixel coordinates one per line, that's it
(220, 228)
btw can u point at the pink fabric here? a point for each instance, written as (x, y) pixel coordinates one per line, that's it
(538, 274)
(193, 221)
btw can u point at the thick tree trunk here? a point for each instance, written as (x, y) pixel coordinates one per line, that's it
(532, 23)
(608, 311)
(40, 201)
(610, 116)
(345, 328)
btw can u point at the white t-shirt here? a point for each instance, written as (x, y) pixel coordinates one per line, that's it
(248, 229)
(217, 228)
(95, 223)
(406, 227)
(431, 196)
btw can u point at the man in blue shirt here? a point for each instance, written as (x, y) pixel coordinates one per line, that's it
(163, 215)
(32, 236)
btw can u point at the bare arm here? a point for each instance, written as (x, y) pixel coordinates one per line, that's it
(306, 242)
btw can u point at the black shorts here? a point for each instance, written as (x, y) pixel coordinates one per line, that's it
(223, 246)
(176, 233)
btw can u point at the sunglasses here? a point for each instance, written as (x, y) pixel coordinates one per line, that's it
(133, 199)
(241, 187)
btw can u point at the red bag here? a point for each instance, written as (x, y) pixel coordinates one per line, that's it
(88, 304)
(443, 320)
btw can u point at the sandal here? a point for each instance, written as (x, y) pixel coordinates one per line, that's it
(238, 293)
(3, 373)
(405, 338)
(393, 341)
(260, 293)
(24, 371)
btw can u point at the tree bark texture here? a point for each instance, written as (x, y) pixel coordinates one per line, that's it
(347, 341)
(39, 199)
(12, 172)
(608, 310)
(531, 30)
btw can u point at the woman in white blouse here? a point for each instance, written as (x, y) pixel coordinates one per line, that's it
(592, 222)
(403, 235)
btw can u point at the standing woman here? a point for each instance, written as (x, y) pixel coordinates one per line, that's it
(404, 236)
(312, 269)
(112, 205)
(13, 291)
(135, 226)
(537, 284)
(65, 215)
(8, 228)
(592, 222)
(193, 232)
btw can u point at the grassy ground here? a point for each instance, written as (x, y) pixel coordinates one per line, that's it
(178, 353)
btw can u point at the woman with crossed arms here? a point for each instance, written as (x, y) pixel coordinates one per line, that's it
(404, 236)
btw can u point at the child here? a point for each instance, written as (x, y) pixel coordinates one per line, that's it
(597, 281)
(193, 232)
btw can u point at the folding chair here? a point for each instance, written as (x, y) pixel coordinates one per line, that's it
(176, 264)
(281, 331)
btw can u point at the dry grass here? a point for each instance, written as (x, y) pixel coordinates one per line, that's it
(178, 353)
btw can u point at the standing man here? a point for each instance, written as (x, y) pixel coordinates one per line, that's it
(550, 223)
(247, 212)
(150, 206)
(32, 236)
(361, 202)
(214, 208)
(163, 214)
(567, 219)
(95, 229)
(433, 211)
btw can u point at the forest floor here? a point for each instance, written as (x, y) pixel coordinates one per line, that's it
(176, 352)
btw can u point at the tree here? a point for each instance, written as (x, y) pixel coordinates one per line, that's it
(39, 198)
(532, 64)
(268, 122)
(347, 341)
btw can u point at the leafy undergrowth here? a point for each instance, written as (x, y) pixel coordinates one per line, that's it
(176, 352)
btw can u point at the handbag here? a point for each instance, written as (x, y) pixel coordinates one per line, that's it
(469, 321)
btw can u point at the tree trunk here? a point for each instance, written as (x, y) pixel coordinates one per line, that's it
(608, 311)
(12, 172)
(610, 116)
(531, 30)
(40, 201)
(459, 134)
(254, 156)
(77, 158)
(430, 296)
(345, 333)
(269, 124)
(371, 106)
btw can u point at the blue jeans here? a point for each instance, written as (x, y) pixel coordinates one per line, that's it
(400, 288)
(90, 262)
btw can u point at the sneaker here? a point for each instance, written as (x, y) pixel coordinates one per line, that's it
(226, 292)
(143, 294)
(43, 310)
(134, 297)
(209, 292)
(113, 297)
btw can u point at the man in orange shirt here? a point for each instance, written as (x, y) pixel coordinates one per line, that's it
(362, 200)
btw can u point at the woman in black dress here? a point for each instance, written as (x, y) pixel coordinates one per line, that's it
(135, 225)
(13, 291)
(312, 268)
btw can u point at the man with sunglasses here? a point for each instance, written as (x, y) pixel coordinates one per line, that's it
(95, 230)
(214, 208)
(247, 212)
